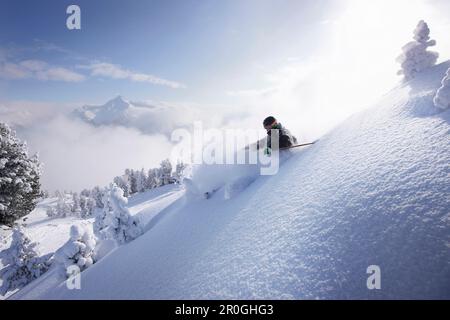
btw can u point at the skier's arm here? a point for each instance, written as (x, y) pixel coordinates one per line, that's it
(285, 141)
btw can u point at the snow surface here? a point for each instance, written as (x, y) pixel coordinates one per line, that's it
(51, 234)
(374, 191)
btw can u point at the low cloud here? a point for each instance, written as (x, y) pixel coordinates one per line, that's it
(76, 155)
(23, 113)
(114, 71)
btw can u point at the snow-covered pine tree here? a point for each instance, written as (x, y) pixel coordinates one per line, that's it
(166, 172)
(415, 57)
(123, 183)
(97, 194)
(132, 178)
(100, 222)
(22, 262)
(151, 179)
(84, 212)
(178, 175)
(78, 250)
(90, 207)
(63, 209)
(442, 98)
(86, 193)
(76, 207)
(141, 180)
(115, 221)
(45, 194)
(19, 177)
(51, 212)
(158, 177)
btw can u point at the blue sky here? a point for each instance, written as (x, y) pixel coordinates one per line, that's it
(208, 47)
(283, 54)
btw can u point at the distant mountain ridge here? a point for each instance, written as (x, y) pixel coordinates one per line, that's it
(149, 118)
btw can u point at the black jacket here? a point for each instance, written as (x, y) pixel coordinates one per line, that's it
(286, 139)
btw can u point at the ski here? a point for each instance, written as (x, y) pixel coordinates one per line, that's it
(299, 145)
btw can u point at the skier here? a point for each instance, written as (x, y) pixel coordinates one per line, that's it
(285, 138)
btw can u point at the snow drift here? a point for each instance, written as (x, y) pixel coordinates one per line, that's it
(374, 191)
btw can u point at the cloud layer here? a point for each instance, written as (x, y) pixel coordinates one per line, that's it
(14, 68)
(76, 155)
(39, 70)
(114, 71)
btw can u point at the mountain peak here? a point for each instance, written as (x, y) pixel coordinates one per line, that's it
(118, 101)
(118, 98)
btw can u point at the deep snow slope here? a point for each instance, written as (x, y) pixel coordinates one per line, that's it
(374, 191)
